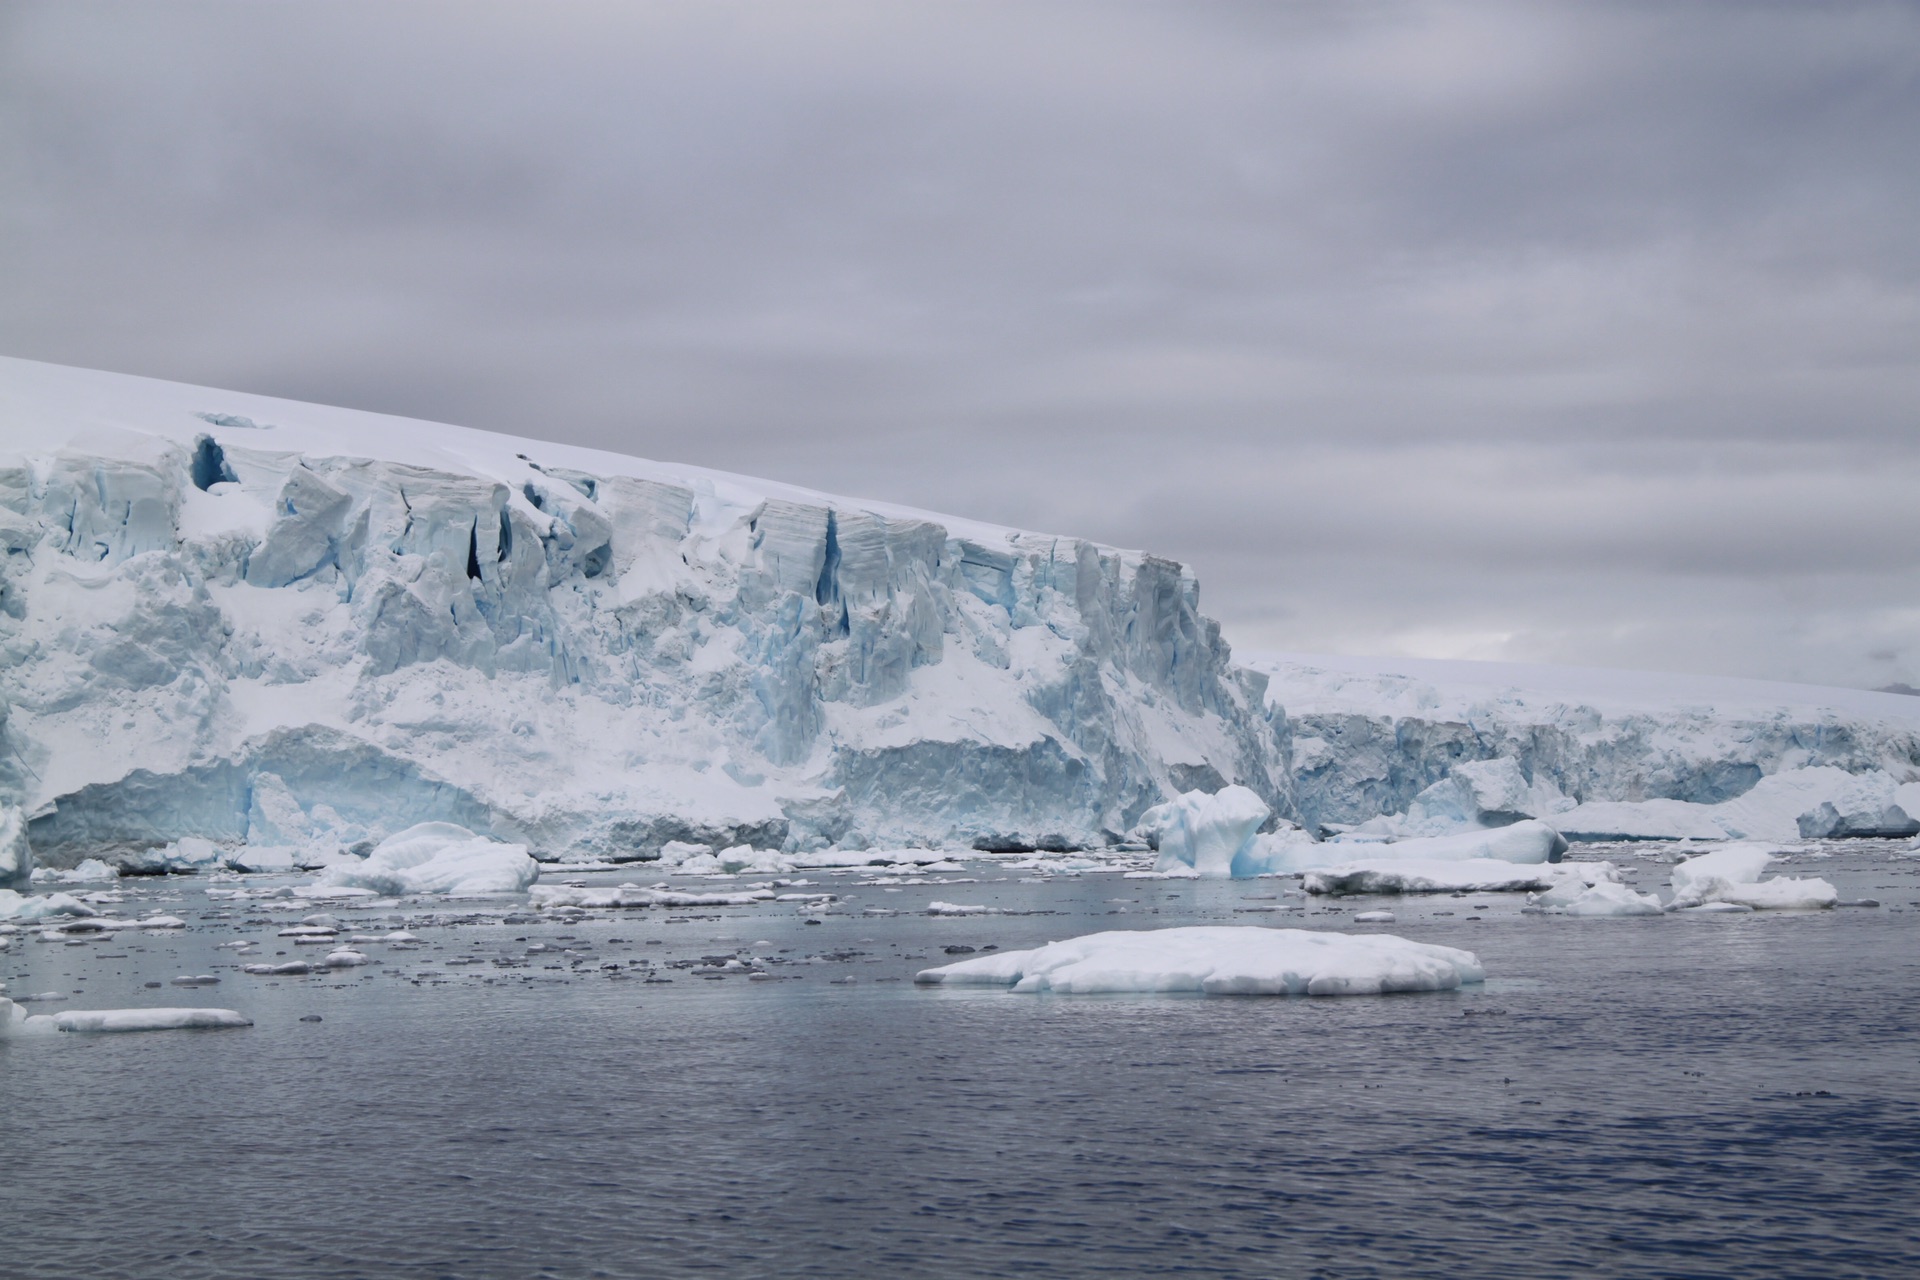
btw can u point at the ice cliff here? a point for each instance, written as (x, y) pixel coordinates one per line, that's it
(1407, 747)
(299, 630)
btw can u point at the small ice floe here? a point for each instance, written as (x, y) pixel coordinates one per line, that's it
(1374, 917)
(1601, 895)
(1221, 960)
(160, 922)
(435, 857)
(553, 897)
(1416, 875)
(1732, 876)
(309, 931)
(196, 980)
(16, 1021)
(19, 906)
(345, 958)
(959, 909)
(289, 969)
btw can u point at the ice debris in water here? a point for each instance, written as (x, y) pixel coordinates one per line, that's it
(436, 857)
(957, 909)
(1732, 876)
(1221, 960)
(16, 906)
(1419, 875)
(557, 896)
(89, 871)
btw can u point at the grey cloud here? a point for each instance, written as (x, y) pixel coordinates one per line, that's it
(1568, 331)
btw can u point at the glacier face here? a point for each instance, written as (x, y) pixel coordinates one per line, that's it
(1441, 746)
(282, 626)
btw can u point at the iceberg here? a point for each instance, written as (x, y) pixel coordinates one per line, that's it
(1220, 960)
(436, 857)
(1210, 833)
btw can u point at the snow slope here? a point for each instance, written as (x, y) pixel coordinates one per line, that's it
(1370, 736)
(277, 625)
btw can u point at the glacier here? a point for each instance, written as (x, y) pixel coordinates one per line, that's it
(288, 632)
(244, 632)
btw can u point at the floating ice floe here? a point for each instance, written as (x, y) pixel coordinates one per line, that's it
(89, 871)
(1220, 960)
(1419, 875)
(1731, 876)
(436, 857)
(17, 1021)
(958, 909)
(18, 906)
(552, 896)
(1600, 897)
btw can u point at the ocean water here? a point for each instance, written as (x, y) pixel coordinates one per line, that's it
(1731, 1096)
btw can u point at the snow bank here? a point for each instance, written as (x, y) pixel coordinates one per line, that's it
(16, 1021)
(436, 857)
(1209, 833)
(1221, 960)
(1731, 876)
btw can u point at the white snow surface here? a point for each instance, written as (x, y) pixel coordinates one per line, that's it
(436, 857)
(291, 631)
(1220, 960)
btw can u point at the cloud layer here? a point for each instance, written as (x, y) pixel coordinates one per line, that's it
(1580, 333)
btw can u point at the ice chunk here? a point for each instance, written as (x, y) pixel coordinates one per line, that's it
(632, 895)
(1731, 875)
(436, 857)
(1206, 832)
(1221, 960)
(956, 909)
(1527, 843)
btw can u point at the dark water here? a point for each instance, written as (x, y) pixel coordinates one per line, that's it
(1668, 1097)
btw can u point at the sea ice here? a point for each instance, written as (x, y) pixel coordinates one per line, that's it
(1220, 960)
(436, 857)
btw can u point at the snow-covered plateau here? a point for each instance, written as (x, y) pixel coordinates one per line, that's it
(247, 632)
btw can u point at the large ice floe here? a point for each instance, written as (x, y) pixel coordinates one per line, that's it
(436, 857)
(1220, 960)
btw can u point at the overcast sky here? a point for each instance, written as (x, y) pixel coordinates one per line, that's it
(1569, 333)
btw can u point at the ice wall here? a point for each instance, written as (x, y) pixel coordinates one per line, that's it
(260, 622)
(1443, 745)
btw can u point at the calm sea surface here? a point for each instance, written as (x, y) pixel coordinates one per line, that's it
(1734, 1096)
